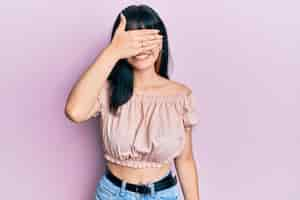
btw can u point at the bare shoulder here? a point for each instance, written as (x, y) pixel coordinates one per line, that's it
(178, 87)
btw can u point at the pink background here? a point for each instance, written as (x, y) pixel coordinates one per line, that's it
(241, 58)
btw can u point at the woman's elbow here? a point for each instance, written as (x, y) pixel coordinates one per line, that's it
(73, 115)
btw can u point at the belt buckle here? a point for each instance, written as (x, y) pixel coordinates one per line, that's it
(145, 188)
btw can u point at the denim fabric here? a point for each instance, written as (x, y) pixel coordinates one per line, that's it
(106, 190)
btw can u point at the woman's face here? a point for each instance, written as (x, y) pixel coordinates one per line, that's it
(145, 59)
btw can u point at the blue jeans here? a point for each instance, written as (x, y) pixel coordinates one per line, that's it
(107, 190)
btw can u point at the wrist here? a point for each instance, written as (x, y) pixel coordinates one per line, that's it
(112, 52)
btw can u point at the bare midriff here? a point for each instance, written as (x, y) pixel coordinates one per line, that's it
(138, 175)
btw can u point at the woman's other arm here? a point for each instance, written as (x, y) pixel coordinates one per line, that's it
(186, 169)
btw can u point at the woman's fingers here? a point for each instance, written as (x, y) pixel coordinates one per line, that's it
(152, 42)
(149, 47)
(122, 23)
(143, 32)
(148, 37)
(142, 40)
(139, 44)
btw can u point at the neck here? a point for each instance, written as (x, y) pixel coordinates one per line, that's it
(145, 78)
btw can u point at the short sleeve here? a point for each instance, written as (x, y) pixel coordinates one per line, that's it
(190, 111)
(101, 100)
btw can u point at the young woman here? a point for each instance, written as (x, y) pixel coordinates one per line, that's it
(147, 118)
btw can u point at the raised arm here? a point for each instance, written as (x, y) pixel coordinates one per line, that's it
(82, 100)
(83, 96)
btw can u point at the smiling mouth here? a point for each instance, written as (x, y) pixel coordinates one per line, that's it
(142, 56)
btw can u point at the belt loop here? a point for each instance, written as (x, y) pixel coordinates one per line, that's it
(123, 188)
(151, 185)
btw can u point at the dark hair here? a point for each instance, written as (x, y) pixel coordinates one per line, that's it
(121, 77)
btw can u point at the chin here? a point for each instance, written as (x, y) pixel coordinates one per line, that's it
(141, 64)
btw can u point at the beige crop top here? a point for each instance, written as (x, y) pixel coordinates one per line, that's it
(148, 130)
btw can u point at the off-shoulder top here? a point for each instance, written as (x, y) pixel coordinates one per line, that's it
(148, 129)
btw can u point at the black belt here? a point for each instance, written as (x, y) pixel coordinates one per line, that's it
(164, 183)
